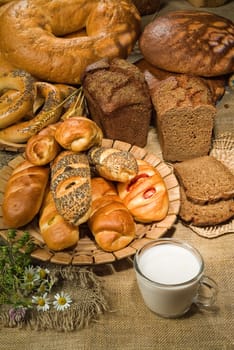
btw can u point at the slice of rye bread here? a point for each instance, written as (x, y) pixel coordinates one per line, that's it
(205, 179)
(207, 214)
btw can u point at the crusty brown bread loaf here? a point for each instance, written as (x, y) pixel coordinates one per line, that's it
(113, 164)
(189, 41)
(110, 221)
(57, 233)
(215, 84)
(184, 116)
(24, 194)
(205, 179)
(71, 187)
(118, 100)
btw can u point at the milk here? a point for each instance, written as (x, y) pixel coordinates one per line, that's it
(169, 264)
(168, 274)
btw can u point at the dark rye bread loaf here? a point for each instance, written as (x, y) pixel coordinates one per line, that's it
(118, 100)
(184, 116)
(205, 180)
(190, 41)
(215, 84)
(71, 186)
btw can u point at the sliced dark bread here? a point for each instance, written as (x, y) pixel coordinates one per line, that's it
(207, 214)
(205, 180)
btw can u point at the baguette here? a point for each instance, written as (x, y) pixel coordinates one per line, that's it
(110, 221)
(57, 233)
(71, 186)
(24, 194)
(113, 164)
(146, 195)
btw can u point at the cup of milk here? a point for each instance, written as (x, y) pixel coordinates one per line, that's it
(170, 276)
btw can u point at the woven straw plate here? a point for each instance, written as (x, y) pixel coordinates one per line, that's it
(87, 252)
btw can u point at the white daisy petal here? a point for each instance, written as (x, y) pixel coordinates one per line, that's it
(42, 302)
(62, 301)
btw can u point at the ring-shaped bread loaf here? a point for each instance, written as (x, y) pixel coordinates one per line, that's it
(49, 113)
(17, 94)
(33, 35)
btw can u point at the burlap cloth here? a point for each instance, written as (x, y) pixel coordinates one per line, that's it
(125, 322)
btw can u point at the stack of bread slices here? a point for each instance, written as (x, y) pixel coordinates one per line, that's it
(207, 191)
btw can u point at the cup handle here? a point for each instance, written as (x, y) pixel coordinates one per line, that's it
(207, 286)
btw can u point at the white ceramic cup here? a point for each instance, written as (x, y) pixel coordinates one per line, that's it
(170, 276)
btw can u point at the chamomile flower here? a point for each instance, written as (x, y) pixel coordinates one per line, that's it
(42, 302)
(43, 287)
(43, 273)
(62, 301)
(30, 275)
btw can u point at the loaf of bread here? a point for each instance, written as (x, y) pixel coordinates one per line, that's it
(71, 187)
(78, 134)
(42, 148)
(110, 221)
(215, 84)
(24, 193)
(57, 233)
(188, 41)
(118, 100)
(184, 116)
(112, 164)
(146, 195)
(205, 179)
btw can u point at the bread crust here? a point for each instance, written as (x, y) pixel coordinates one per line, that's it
(205, 179)
(192, 42)
(113, 164)
(17, 95)
(57, 233)
(33, 34)
(42, 148)
(110, 222)
(78, 134)
(145, 195)
(50, 113)
(71, 186)
(185, 116)
(24, 194)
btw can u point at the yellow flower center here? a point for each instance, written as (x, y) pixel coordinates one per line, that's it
(62, 301)
(42, 274)
(29, 276)
(41, 302)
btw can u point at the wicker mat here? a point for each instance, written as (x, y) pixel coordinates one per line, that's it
(88, 302)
